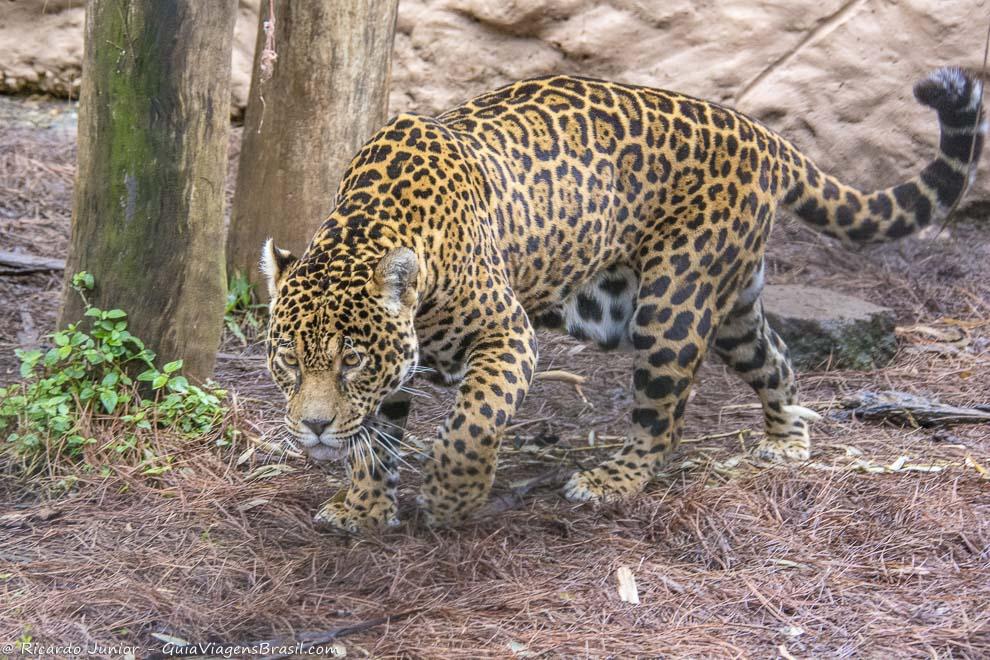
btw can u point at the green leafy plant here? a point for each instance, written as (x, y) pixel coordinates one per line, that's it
(96, 372)
(243, 316)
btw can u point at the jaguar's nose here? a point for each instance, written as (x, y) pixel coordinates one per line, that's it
(317, 426)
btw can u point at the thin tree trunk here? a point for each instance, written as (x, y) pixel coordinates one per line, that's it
(328, 95)
(153, 123)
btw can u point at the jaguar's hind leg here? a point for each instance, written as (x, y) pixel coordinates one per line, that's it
(670, 330)
(748, 345)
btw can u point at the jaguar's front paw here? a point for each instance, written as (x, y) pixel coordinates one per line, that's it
(441, 508)
(440, 519)
(606, 483)
(354, 519)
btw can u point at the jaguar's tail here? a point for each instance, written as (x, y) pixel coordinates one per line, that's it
(844, 212)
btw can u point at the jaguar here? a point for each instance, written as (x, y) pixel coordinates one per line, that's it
(629, 217)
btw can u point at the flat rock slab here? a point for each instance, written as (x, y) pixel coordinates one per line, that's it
(824, 327)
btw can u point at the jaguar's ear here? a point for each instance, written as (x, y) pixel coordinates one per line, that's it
(274, 263)
(395, 280)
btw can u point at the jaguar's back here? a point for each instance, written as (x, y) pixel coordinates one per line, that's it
(583, 171)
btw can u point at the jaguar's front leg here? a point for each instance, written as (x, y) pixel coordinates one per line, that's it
(370, 500)
(500, 365)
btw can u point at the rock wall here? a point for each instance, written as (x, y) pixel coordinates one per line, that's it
(834, 76)
(41, 48)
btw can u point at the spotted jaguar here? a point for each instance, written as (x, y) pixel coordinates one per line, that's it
(633, 218)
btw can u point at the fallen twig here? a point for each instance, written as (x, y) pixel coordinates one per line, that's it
(561, 375)
(759, 406)
(515, 497)
(26, 264)
(904, 408)
(309, 640)
(564, 450)
(242, 358)
(565, 377)
(26, 518)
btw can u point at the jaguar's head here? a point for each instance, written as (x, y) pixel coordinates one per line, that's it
(340, 340)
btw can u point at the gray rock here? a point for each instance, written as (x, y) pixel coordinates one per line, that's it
(824, 327)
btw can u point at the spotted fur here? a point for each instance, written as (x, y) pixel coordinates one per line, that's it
(630, 217)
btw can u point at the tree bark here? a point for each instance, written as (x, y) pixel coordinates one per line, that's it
(153, 123)
(328, 95)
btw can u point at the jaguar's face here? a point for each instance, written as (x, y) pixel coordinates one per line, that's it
(337, 352)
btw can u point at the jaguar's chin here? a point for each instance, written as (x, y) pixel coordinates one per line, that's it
(325, 454)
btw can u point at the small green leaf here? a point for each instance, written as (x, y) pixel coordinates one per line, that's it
(178, 384)
(172, 366)
(148, 375)
(83, 280)
(109, 400)
(236, 330)
(159, 381)
(31, 356)
(116, 314)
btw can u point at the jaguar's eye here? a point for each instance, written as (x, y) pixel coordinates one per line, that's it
(350, 359)
(290, 360)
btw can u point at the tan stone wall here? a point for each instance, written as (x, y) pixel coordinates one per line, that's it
(41, 47)
(833, 76)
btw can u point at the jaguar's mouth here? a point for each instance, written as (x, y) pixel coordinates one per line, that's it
(327, 451)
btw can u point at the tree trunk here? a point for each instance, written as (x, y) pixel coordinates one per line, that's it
(153, 122)
(328, 95)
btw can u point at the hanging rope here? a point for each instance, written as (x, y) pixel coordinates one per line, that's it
(266, 62)
(268, 54)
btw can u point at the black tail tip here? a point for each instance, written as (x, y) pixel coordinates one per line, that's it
(949, 89)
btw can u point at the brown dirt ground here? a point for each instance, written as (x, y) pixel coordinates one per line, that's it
(837, 557)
